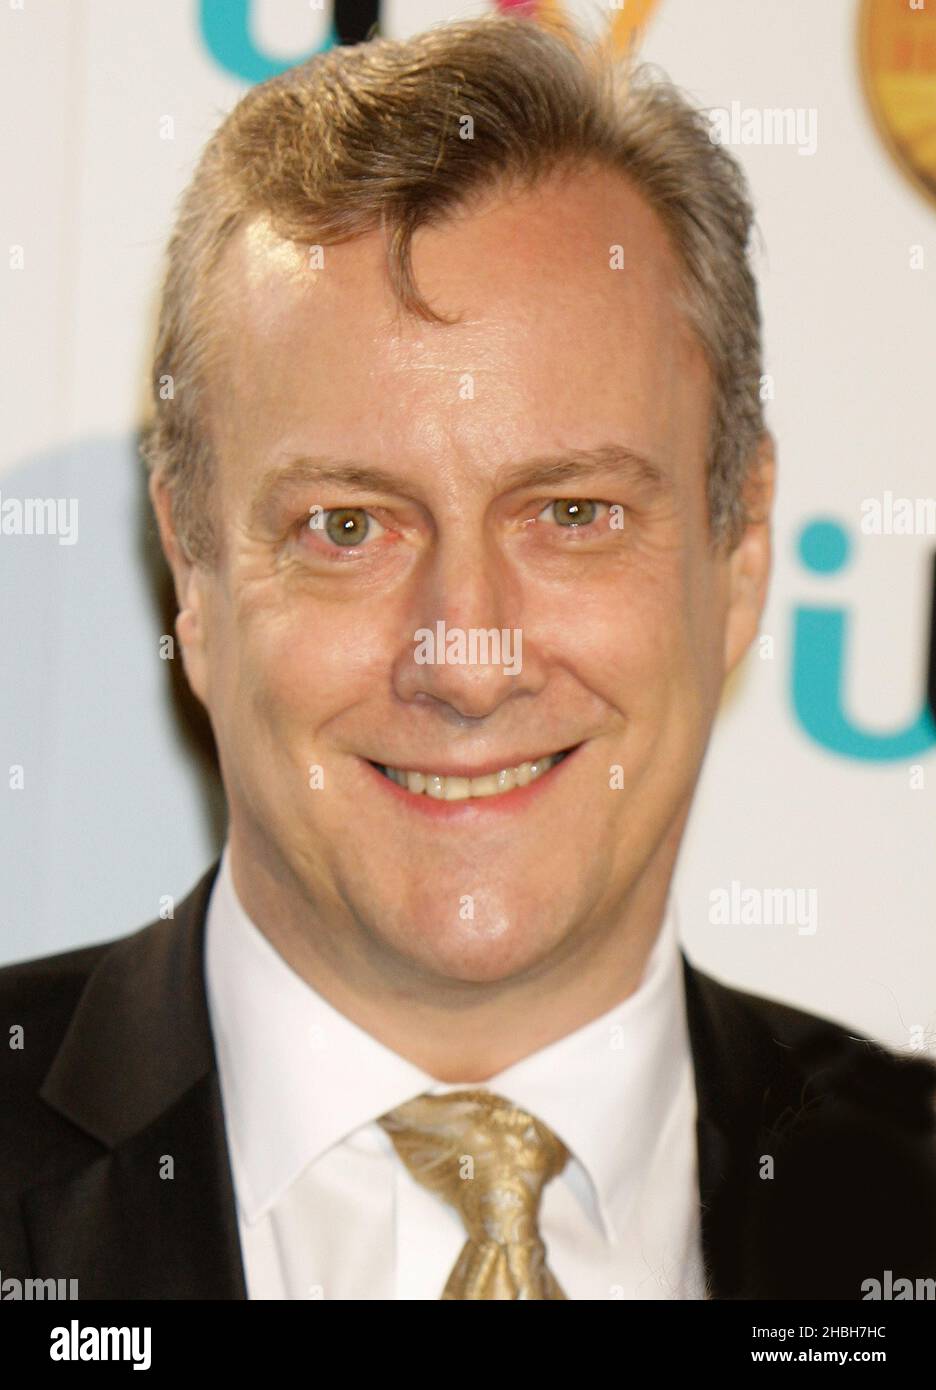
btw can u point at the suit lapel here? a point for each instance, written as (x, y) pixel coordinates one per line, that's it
(816, 1151)
(151, 1212)
(743, 1083)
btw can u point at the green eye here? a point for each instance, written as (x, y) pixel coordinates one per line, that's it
(347, 525)
(574, 511)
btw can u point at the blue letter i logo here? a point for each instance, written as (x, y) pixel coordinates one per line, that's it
(820, 637)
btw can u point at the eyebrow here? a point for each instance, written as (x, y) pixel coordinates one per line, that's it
(544, 470)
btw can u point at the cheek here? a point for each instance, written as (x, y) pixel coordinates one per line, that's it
(636, 638)
(302, 663)
(649, 657)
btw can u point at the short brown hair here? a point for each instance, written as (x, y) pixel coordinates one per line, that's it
(368, 137)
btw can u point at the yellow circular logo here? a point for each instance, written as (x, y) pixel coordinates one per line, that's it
(897, 42)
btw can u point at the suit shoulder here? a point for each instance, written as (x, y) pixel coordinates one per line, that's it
(39, 997)
(842, 1063)
(111, 988)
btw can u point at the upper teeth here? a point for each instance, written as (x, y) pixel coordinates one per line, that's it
(460, 788)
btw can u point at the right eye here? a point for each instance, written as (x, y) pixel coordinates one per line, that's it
(345, 527)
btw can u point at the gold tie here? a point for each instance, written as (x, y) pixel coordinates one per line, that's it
(491, 1161)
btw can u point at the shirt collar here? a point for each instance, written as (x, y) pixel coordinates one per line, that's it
(298, 1076)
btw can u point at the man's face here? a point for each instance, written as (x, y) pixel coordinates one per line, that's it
(305, 649)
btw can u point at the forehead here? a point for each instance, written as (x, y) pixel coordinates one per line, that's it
(569, 326)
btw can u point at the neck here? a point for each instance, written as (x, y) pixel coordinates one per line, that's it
(457, 1030)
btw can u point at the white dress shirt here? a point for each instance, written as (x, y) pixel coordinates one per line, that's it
(326, 1209)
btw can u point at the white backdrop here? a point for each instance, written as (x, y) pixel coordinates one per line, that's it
(111, 811)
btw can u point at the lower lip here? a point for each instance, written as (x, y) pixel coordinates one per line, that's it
(474, 807)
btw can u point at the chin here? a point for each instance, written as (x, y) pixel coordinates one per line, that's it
(493, 947)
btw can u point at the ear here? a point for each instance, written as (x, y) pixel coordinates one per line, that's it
(749, 563)
(188, 578)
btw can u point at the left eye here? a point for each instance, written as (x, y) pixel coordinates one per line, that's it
(345, 526)
(570, 512)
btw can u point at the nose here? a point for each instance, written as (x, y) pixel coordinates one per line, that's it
(465, 651)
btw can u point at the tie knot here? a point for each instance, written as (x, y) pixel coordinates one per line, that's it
(486, 1156)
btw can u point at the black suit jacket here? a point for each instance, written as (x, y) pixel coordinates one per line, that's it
(117, 1076)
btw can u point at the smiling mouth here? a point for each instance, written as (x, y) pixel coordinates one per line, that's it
(444, 788)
